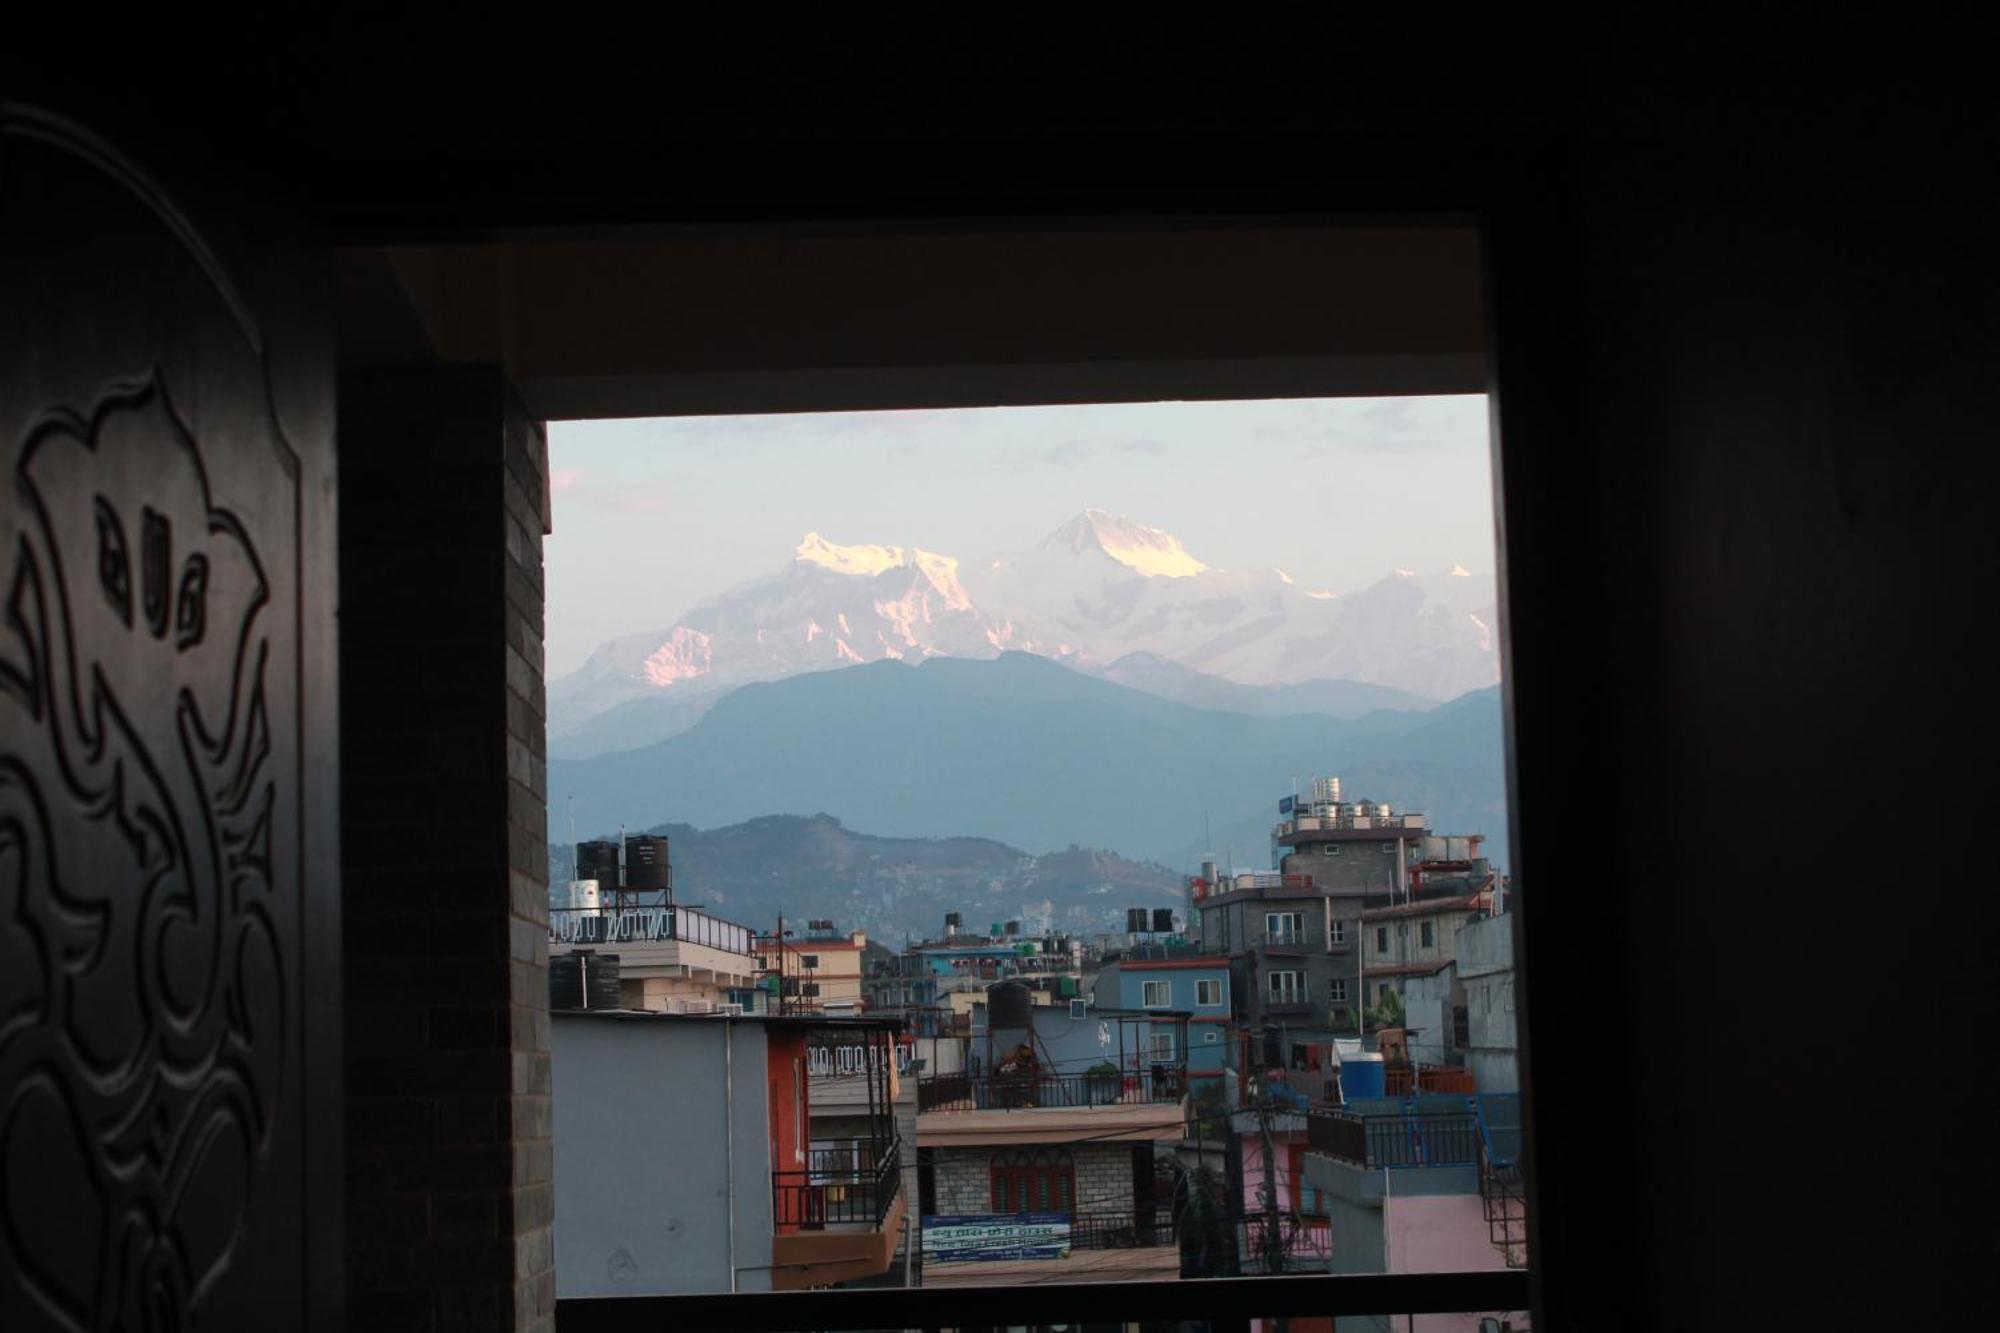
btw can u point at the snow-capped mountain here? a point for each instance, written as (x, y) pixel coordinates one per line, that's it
(1097, 589)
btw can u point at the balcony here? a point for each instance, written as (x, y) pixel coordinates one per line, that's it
(1444, 1139)
(1158, 1085)
(1285, 944)
(851, 1183)
(840, 1218)
(1138, 1230)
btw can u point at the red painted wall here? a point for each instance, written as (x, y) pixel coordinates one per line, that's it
(790, 1109)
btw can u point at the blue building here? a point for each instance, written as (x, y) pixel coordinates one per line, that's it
(1176, 978)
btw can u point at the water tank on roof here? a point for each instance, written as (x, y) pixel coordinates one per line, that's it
(1163, 920)
(1361, 1076)
(954, 919)
(598, 860)
(584, 895)
(583, 980)
(1009, 1004)
(646, 864)
(1013, 927)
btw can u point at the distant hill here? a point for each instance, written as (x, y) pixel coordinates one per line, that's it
(892, 887)
(1158, 676)
(1030, 753)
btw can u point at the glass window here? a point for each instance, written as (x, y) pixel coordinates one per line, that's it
(1382, 939)
(1156, 994)
(1339, 932)
(1208, 992)
(1430, 935)
(1287, 987)
(1337, 990)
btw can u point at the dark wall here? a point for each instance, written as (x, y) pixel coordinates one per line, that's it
(446, 872)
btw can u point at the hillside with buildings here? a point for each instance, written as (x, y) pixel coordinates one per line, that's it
(891, 888)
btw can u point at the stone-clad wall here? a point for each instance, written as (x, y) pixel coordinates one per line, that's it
(963, 1178)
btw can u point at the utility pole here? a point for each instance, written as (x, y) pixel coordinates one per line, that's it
(1273, 1244)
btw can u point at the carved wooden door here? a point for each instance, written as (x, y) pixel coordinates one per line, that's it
(168, 881)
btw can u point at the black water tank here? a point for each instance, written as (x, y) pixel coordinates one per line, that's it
(599, 861)
(1013, 927)
(1009, 1005)
(1135, 920)
(954, 919)
(583, 980)
(1163, 920)
(646, 863)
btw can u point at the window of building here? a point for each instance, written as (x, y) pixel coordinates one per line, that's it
(1329, 849)
(1156, 994)
(1430, 935)
(1382, 939)
(1208, 992)
(1337, 932)
(1336, 990)
(1388, 849)
(1211, 1036)
(1032, 1181)
(1283, 927)
(809, 960)
(1287, 987)
(1162, 1045)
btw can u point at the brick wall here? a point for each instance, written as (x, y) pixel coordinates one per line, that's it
(442, 787)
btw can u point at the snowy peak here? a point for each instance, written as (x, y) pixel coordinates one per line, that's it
(866, 561)
(1149, 551)
(940, 571)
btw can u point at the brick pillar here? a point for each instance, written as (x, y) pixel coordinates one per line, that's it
(444, 796)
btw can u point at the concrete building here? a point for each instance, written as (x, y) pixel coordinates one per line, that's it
(813, 971)
(686, 1159)
(1413, 939)
(1421, 1185)
(1040, 1162)
(1485, 970)
(1175, 977)
(671, 959)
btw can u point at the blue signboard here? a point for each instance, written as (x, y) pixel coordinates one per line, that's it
(958, 1237)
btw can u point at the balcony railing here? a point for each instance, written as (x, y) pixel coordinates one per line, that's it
(1404, 1081)
(646, 925)
(1143, 1229)
(1446, 1139)
(1041, 1091)
(851, 1183)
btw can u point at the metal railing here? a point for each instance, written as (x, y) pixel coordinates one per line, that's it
(852, 1183)
(1425, 1080)
(1035, 1091)
(1444, 1139)
(646, 925)
(1143, 1229)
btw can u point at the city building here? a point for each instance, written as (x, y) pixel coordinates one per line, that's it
(1182, 977)
(816, 970)
(670, 959)
(1425, 1184)
(1048, 1158)
(687, 1158)
(1485, 969)
(1413, 939)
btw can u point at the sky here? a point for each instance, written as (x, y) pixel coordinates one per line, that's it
(654, 516)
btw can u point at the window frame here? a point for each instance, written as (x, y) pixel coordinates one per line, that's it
(1272, 990)
(1043, 1178)
(1146, 989)
(1295, 935)
(1221, 994)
